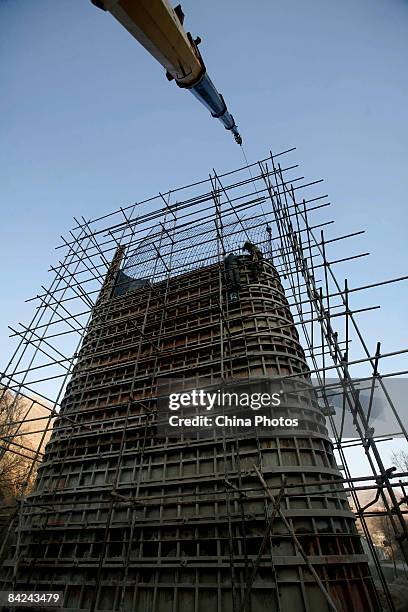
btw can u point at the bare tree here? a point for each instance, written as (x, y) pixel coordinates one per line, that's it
(400, 460)
(16, 448)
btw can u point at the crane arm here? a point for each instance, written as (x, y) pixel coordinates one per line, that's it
(159, 28)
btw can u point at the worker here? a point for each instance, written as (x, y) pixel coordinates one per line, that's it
(253, 250)
(232, 270)
(256, 258)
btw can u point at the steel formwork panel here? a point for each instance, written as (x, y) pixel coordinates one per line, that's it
(185, 542)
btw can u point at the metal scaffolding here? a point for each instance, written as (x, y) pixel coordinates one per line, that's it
(113, 320)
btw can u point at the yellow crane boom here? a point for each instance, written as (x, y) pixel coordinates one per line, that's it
(159, 28)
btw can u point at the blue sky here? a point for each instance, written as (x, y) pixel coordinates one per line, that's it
(88, 123)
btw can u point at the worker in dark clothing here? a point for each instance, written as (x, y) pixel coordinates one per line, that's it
(232, 270)
(233, 277)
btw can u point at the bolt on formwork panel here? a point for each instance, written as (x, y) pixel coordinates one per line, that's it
(122, 518)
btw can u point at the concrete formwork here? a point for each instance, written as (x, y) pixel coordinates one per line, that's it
(147, 524)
